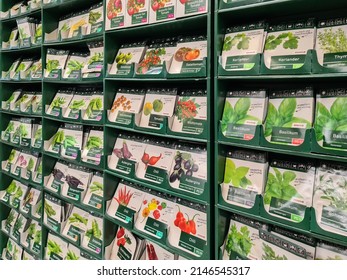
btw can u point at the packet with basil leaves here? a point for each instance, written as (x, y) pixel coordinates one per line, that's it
(242, 46)
(60, 101)
(331, 123)
(244, 177)
(55, 181)
(74, 65)
(95, 61)
(95, 192)
(73, 138)
(289, 116)
(331, 252)
(55, 63)
(243, 111)
(289, 189)
(330, 197)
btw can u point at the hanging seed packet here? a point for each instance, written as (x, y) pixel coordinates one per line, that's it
(72, 144)
(188, 230)
(243, 111)
(76, 225)
(126, 106)
(287, 45)
(55, 63)
(155, 252)
(330, 124)
(60, 102)
(330, 198)
(192, 7)
(243, 241)
(242, 46)
(96, 19)
(289, 189)
(244, 177)
(289, 116)
(137, 12)
(57, 178)
(159, 105)
(95, 61)
(331, 252)
(94, 111)
(78, 103)
(95, 193)
(160, 11)
(94, 148)
(190, 113)
(56, 248)
(75, 64)
(93, 238)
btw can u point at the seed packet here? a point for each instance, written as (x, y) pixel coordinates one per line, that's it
(30, 201)
(36, 141)
(11, 71)
(13, 251)
(244, 177)
(73, 253)
(95, 192)
(19, 226)
(7, 134)
(190, 113)
(116, 13)
(38, 34)
(95, 61)
(328, 251)
(36, 69)
(56, 248)
(289, 115)
(289, 189)
(26, 164)
(155, 252)
(94, 147)
(286, 45)
(72, 144)
(64, 27)
(55, 63)
(56, 179)
(192, 7)
(10, 103)
(53, 212)
(78, 103)
(17, 198)
(12, 40)
(7, 225)
(28, 237)
(137, 12)
(24, 103)
(96, 19)
(75, 64)
(21, 71)
(25, 131)
(160, 11)
(8, 164)
(26, 29)
(94, 111)
(29, 257)
(76, 225)
(12, 192)
(60, 101)
(53, 145)
(189, 55)
(37, 178)
(93, 238)
(79, 24)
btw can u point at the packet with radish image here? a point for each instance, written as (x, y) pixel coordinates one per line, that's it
(56, 179)
(137, 12)
(188, 171)
(93, 149)
(188, 228)
(56, 248)
(155, 252)
(115, 13)
(244, 177)
(95, 192)
(190, 113)
(127, 103)
(26, 164)
(79, 102)
(93, 237)
(75, 226)
(156, 213)
(159, 105)
(156, 161)
(127, 153)
(162, 10)
(191, 7)
(60, 102)
(22, 162)
(329, 251)
(72, 144)
(189, 55)
(126, 202)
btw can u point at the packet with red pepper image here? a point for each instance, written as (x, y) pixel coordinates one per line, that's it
(162, 10)
(154, 252)
(190, 113)
(127, 106)
(188, 229)
(155, 214)
(137, 12)
(191, 7)
(156, 162)
(127, 153)
(159, 105)
(189, 169)
(126, 202)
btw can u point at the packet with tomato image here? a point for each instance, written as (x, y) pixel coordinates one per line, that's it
(127, 153)
(156, 162)
(126, 202)
(162, 10)
(191, 7)
(115, 14)
(188, 171)
(158, 106)
(137, 12)
(155, 214)
(126, 106)
(154, 252)
(158, 52)
(188, 229)
(189, 56)
(190, 113)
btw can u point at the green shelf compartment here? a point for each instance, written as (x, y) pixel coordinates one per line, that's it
(317, 68)
(255, 70)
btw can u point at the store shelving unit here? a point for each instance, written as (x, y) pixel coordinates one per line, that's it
(270, 11)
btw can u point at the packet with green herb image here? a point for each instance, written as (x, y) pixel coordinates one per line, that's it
(8, 223)
(95, 108)
(159, 105)
(25, 131)
(30, 201)
(331, 43)
(244, 177)
(95, 192)
(36, 69)
(95, 61)
(188, 171)
(36, 138)
(126, 202)
(17, 197)
(56, 248)
(53, 145)
(127, 153)
(12, 40)
(190, 114)
(55, 181)
(13, 251)
(93, 149)
(9, 104)
(12, 190)
(329, 251)
(22, 70)
(19, 226)
(23, 104)
(242, 46)
(75, 226)
(78, 103)
(287, 44)
(242, 241)
(75, 64)
(93, 237)
(95, 19)
(38, 172)
(243, 111)
(38, 34)
(63, 30)
(36, 103)
(26, 30)
(8, 165)
(158, 53)
(78, 24)
(330, 197)
(156, 161)
(289, 116)
(60, 102)
(72, 144)
(188, 228)
(10, 73)
(127, 106)
(77, 179)
(289, 189)
(126, 56)
(330, 123)
(55, 63)
(7, 134)
(189, 55)
(36, 242)
(27, 238)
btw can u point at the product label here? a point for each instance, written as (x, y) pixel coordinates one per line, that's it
(95, 244)
(75, 233)
(287, 62)
(165, 13)
(123, 253)
(195, 6)
(139, 18)
(156, 122)
(192, 185)
(334, 139)
(287, 209)
(124, 118)
(125, 214)
(241, 131)
(334, 218)
(95, 201)
(155, 174)
(155, 227)
(192, 243)
(125, 165)
(53, 224)
(117, 22)
(335, 60)
(192, 67)
(241, 62)
(241, 196)
(293, 136)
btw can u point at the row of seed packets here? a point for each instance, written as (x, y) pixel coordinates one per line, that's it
(181, 223)
(24, 101)
(21, 8)
(28, 68)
